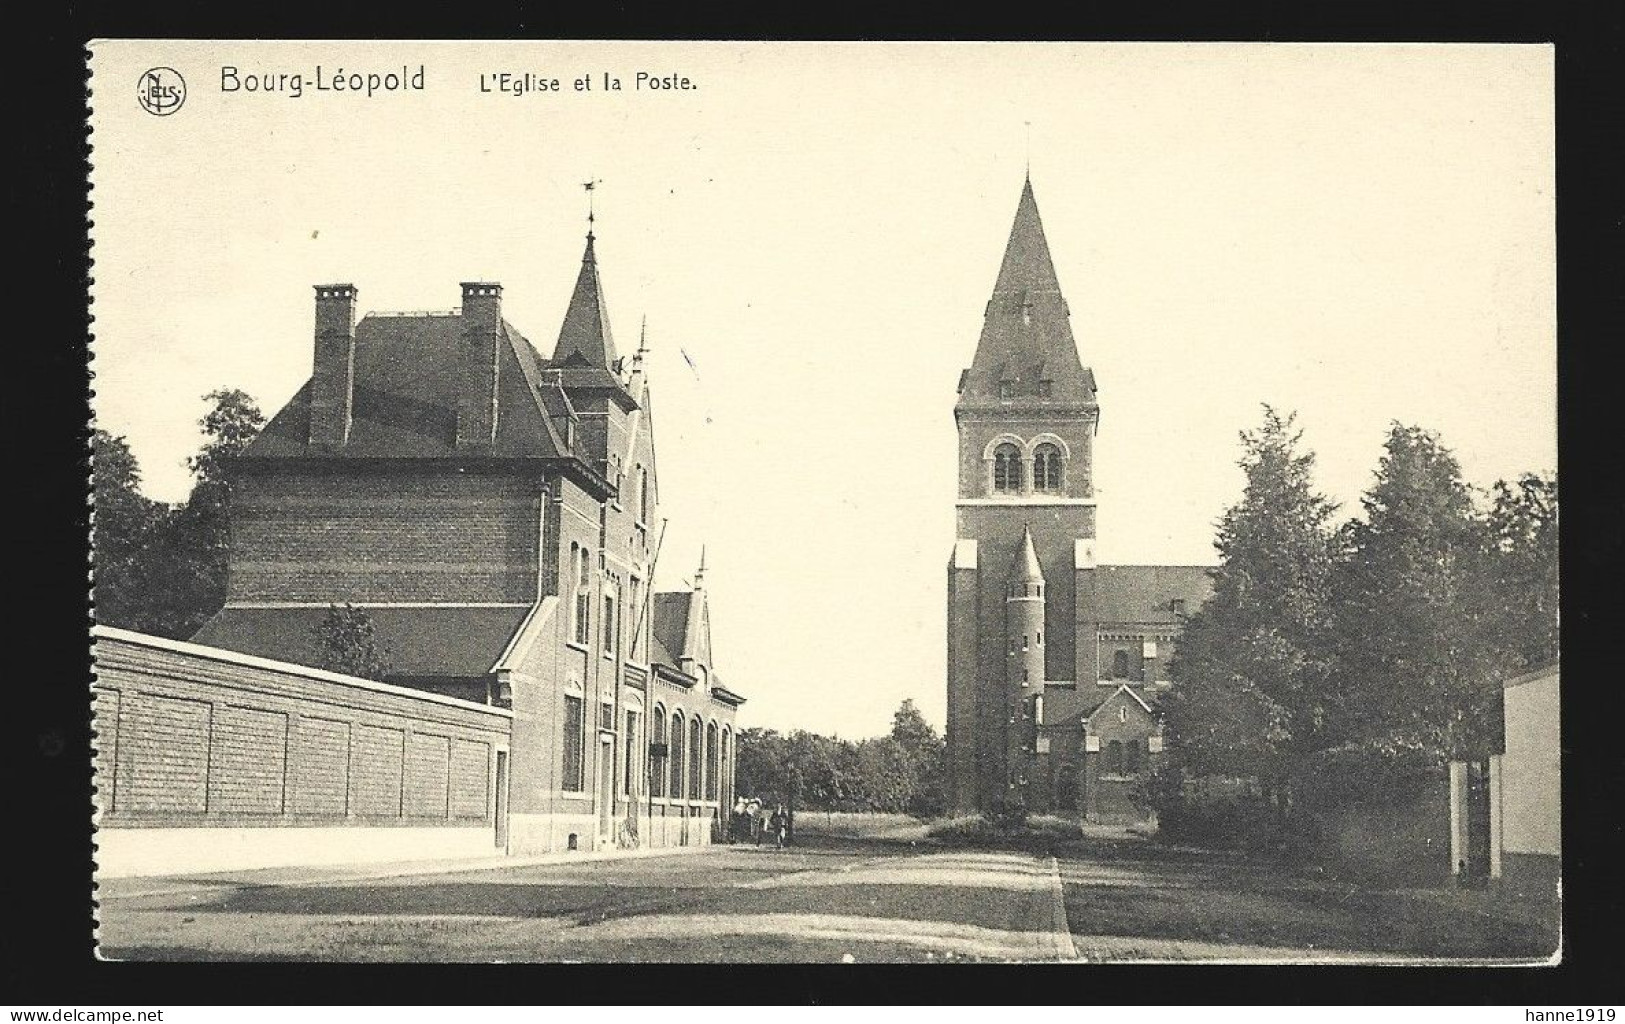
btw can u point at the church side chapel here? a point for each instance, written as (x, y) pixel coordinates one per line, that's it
(1055, 662)
(494, 512)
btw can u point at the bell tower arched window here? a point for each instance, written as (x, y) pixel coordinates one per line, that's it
(1007, 469)
(1120, 665)
(1047, 468)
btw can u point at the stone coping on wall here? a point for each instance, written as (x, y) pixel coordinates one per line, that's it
(289, 668)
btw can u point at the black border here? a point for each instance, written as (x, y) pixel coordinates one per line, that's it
(47, 952)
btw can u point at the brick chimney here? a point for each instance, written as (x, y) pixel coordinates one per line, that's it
(482, 335)
(332, 382)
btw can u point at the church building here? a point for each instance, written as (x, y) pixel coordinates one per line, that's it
(494, 512)
(1055, 662)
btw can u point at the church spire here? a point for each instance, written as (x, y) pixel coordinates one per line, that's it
(1027, 354)
(1027, 265)
(585, 336)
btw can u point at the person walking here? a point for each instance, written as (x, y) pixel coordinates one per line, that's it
(777, 825)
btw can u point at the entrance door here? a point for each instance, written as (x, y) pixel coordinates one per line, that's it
(1478, 819)
(501, 814)
(606, 790)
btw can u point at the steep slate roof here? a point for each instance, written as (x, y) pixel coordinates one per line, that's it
(406, 378)
(463, 642)
(1143, 593)
(670, 625)
(585, 337)
(1026, 334)
(1067, 707)
(1071, 707)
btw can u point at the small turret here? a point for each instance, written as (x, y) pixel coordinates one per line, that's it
(1024, 618)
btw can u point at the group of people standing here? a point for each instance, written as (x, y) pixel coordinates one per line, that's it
(752, 821)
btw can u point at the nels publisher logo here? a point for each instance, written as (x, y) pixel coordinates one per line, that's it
(161, 91)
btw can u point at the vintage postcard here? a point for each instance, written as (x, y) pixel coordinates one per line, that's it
(572, 501)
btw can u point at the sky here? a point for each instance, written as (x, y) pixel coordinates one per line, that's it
(1360, 234)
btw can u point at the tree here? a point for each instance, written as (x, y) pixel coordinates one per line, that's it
(124, 527)
(1517, 576)
(1416, 661)
(347, 643)
(190, 557)
(1250, 668)
(924, 749)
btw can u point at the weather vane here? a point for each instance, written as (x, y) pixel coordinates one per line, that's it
(589, 185)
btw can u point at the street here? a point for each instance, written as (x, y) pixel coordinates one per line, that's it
(834, 900)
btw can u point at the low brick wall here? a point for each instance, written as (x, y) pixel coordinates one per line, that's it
(199, 750)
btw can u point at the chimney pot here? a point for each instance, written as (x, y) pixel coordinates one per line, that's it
(332, 387)
(481, 364)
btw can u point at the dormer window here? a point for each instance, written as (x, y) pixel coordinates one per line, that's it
(1007, 469)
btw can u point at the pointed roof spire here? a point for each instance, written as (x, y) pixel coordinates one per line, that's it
(585, 333)
(1027, 567)
(699, 576)
(1027, 353)
(1027, 265)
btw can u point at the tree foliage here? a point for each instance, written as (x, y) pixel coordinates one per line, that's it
(346, 642)
(162, 569)
(124, 527)
(898, 772)
(1415, 665)
(1350, 663)
(1250, 663)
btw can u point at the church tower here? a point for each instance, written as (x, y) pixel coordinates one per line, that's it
(1020, 579)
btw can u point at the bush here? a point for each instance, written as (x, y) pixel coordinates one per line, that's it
(1026, 833)
(1239, 822)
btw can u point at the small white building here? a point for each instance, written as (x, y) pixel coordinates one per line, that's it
(1523, 829)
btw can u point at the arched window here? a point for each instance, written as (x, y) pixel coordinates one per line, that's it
(677, 754)
(1120, 665)
(696, 759)
(1047, 468)
(583, 595)
(1131, 756)
(713, 763)
(1007, 469)
(657, 763)
(727, 767)
(1114, 758)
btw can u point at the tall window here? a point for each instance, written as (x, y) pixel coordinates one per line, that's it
(575, 728)
(1120, 665)
(1006, 469)
(696, 762)
(657, 762)
(676, 757)
(713, 763)
(727, 767)
(635, 610)
(609, 625)
(583, 603)
(1131, 756)
(1114, 758)
(631, 741)
(1047, 468)
(643, 495)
